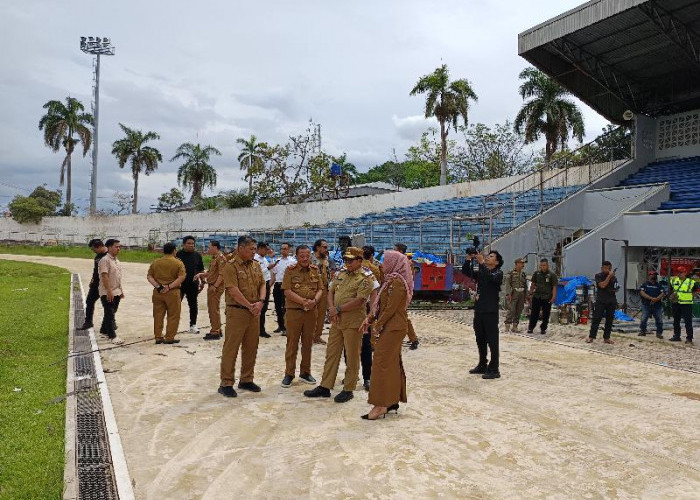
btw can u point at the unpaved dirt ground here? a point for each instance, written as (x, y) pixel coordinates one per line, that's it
(562, 422)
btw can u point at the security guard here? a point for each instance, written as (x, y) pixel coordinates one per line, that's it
(682, 290)
(516, 282)
(302, 291)
(215, 288)
(166, 275)
(326, 267)
(543, 293)
(245, 293)
(346, 303)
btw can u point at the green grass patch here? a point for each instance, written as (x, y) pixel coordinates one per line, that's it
(83, 252)
(34, 304)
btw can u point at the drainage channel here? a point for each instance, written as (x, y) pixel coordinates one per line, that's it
(96, 478)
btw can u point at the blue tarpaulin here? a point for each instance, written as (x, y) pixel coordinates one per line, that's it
(621, 316)
(566, 290)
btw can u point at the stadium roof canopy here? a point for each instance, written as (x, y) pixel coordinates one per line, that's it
(618, 55)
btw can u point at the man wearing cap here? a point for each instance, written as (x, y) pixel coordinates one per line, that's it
(682, 290)
(214, 278)
(516, 282)
(346, 305)
(605, 302)
(652, 294)
(326, 268)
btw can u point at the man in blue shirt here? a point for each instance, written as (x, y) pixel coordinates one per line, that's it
(652, 294)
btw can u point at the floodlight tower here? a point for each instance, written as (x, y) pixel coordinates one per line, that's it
(98, 47)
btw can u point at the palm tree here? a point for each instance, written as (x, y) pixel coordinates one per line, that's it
(549, 113)
(250, 159)
(195, 173)
(447, 101)
(60, 123)
(132, 149)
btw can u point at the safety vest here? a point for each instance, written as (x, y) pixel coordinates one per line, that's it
(684, 289)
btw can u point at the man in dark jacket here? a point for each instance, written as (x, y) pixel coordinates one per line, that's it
(605, 302)
(190, 288)
(93, 295)
(486, 270)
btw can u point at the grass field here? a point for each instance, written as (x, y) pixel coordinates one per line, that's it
(126, 255)
(34, 302)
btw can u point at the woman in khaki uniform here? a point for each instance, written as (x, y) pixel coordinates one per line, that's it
(388, 382)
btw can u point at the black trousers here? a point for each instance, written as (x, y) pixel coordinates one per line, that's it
(684, 311)
(539, 305)
(600, 311)
(486, 331)
(109, 321)
(278, 296)
(92, 297)
(190, 290)
(266, 305)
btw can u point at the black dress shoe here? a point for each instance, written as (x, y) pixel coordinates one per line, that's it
(228, 391)
(343, 397)
(265, 335)
(490, 375)
(173, 341)
(278, 330)
(160, 340)
(86, 326)
(212, 336)
(287, 381)
(688, 341)
(478, 370)
(675, 339)
(659, 336)
(366, 385)
(642, 334)
(318, 392)
(414, 345)
(249, 386)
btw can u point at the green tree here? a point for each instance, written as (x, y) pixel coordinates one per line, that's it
(235, 198)
(548, 113)
(61, 124)
(196, 172)
(172, 199)
(40, 203)
(251, 159)
(142, 158)
(448, 102)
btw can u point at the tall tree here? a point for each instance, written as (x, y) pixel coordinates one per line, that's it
(251, 158)
(448, 102)
(196, 172)
(142, 158)
(61, 123)
(548, 113)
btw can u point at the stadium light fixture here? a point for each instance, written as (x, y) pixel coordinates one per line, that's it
(98, 47)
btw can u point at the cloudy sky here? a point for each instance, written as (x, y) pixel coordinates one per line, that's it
(213, 71)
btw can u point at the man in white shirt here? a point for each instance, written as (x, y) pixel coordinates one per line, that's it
(110, 288)
(265, 266)
(278, 268)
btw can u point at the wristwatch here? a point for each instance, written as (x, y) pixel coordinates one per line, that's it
(337, 309)
(160, 288)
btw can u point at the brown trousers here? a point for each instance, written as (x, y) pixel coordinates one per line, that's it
(214, 308)
(388, 382)
(411, 332)
(166, 303)
(242, 331)
(349, 338)
(321, 315)
(515, 308)
(300, 325)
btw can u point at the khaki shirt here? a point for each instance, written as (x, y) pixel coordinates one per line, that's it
(113, 268)
(347, 286)
(515, 281)
(166, 269)
(392, 307)
(305, 282)
(374, 268)
(324, 270)
(246, 276)
(544, 283)
(216, 268)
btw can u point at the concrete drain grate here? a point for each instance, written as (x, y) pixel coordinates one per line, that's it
(84, 365)
(96, 483)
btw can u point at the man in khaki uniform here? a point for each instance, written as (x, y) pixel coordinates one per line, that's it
(166, 274)
(302, 290)
(346, 303)
(245, 293)
(326, 267)
(215, 289)
(516, 282)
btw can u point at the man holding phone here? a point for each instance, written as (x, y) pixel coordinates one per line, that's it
(605, 302)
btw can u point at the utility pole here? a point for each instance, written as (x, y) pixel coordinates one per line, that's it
(96, 46)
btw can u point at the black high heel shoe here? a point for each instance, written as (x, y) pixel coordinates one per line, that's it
(394, 407)
(366, 417)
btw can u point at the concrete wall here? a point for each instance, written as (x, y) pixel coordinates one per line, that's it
(138, 229)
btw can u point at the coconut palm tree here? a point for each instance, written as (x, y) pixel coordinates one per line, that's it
(250, 159)
(548, 113)
(195, 173)
(448, 102)
(142, 158)
(60, 124)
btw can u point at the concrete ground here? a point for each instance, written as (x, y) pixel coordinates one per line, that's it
(561, 422)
